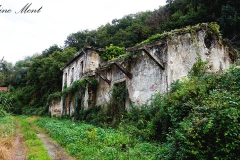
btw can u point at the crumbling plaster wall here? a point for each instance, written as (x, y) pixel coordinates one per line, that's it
(178, 56)
(85, 61)
(103, 89)
(55, 108)
(184, 50)
(147, 77)
(92, 61)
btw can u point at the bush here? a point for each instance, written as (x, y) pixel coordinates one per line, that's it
(112, 52)
(205, 115)
(2, 113)
(198, 119)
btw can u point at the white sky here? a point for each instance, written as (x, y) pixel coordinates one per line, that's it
(23, 35)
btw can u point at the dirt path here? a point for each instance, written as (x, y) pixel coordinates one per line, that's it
(13, 148)
(54, 150)
(19, 149)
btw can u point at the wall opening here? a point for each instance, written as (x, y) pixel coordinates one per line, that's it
(91, 95)
(208, 40)
(119, 95)
(65, 79)
(70, 107)
(81, 69)
(72, 74)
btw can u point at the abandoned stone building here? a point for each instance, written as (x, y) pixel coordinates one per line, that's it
(149, 69)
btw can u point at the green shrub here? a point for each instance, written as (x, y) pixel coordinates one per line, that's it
(2, 113)
(204, 112)
(5, 101)
(197, 119)
(112, 52)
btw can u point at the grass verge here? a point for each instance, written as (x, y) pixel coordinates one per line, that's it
(7, 131)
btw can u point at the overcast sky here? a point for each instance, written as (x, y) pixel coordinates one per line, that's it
(23, 35)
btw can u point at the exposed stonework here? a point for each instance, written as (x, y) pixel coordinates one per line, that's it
(150, 70)
(55, 108)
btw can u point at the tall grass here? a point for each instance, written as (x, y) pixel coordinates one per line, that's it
(7, 130)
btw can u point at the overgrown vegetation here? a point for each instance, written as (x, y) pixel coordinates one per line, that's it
(77, 90)
(112, 52)
(212, 29)
(5, 103)
(116, 108)
(108, 115)
(85, 141)
(197, 119)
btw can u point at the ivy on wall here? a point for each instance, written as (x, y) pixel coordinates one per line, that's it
(116, 108)
(77, 89)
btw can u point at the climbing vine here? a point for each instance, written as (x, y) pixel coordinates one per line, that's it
(116, 109)
(75, 86)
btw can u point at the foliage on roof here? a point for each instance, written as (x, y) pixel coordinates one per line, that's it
(112, 52)
(212, 28)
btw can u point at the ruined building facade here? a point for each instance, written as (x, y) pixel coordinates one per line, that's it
(150, 69)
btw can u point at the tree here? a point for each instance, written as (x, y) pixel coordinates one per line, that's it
(50, 50)
(5, 73)
(228, 20)
(5, 101)
(81, 39)
(157, 18)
